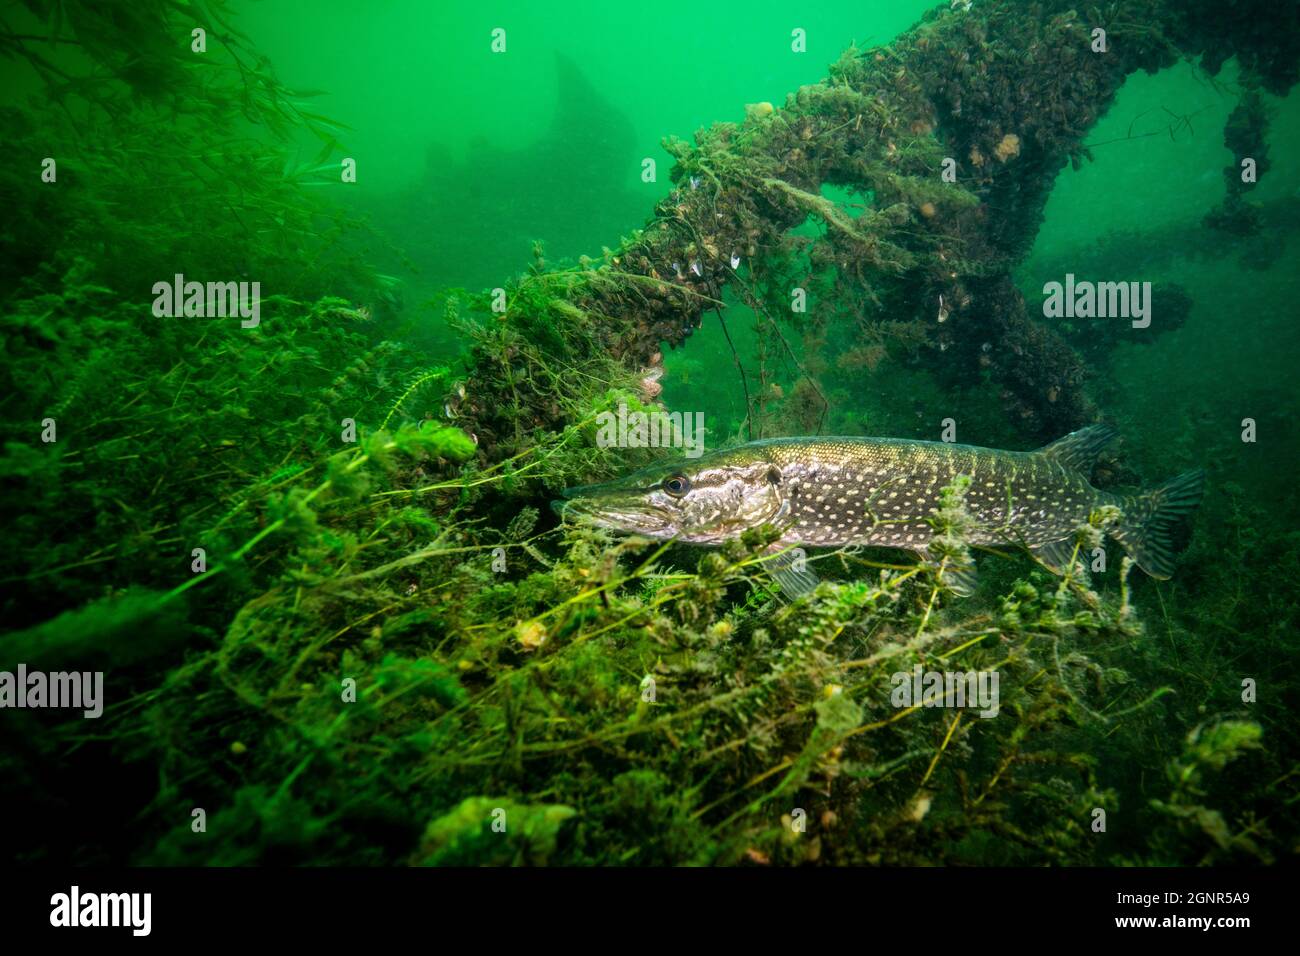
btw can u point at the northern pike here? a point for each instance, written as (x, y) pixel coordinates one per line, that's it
(882, 492)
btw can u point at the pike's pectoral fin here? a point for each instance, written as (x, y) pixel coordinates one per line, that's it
(1079, 449)
(1055, 556)
(790, 570)
(961, 581)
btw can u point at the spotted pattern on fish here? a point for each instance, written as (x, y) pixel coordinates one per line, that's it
(881, 492)
(831, 492)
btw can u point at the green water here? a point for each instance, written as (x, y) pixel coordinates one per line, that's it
(312, 553)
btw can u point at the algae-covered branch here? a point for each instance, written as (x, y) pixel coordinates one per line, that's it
(950, 138)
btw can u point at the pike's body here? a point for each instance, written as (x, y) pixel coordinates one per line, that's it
(831, 492)
(883, 492)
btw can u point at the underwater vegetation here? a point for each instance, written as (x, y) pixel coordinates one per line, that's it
(317, 564)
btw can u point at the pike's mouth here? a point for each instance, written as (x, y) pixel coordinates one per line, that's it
(615, 516)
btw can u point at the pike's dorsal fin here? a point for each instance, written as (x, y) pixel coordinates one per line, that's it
(1079, 450)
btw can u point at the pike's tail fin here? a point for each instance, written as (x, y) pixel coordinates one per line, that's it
(1151, 526)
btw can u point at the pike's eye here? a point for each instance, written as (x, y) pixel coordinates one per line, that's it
(677, 485)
